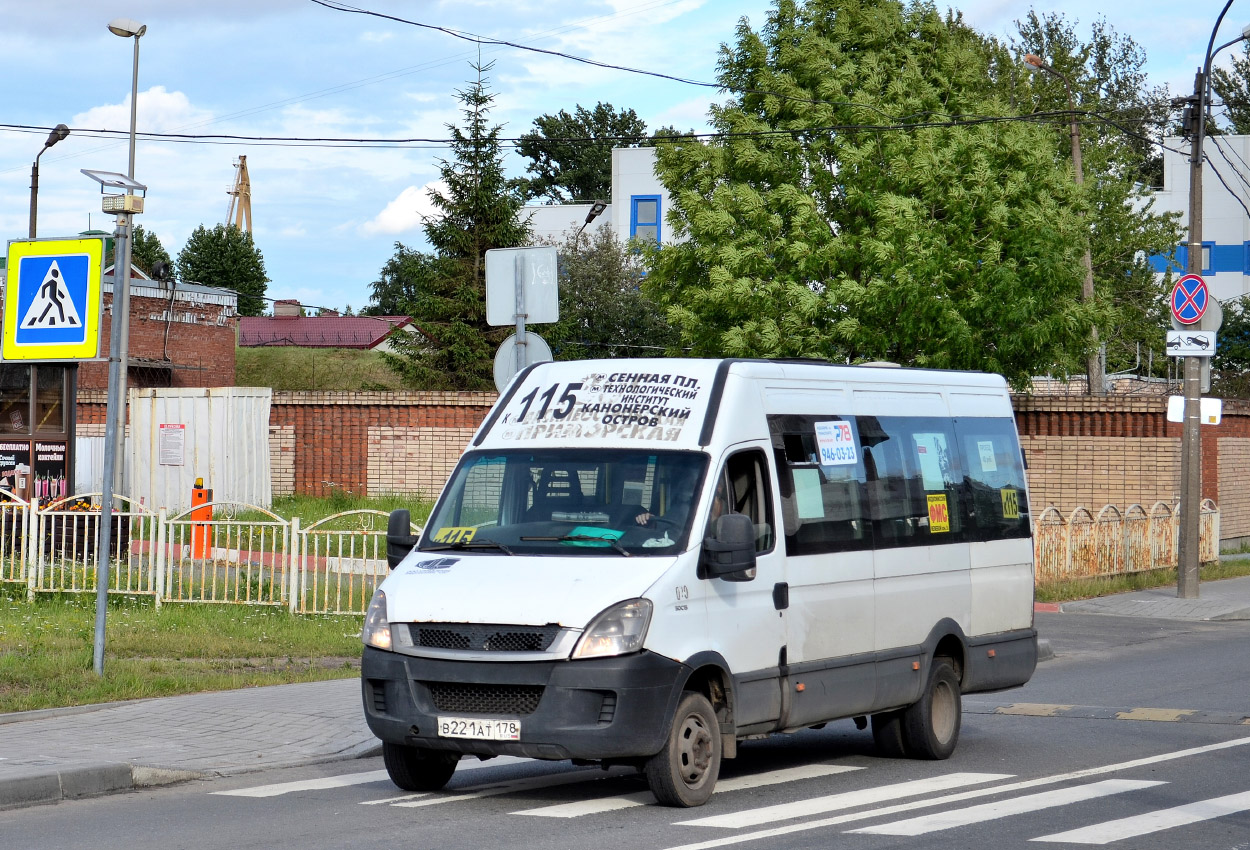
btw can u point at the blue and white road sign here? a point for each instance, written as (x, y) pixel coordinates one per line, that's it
(52, 299)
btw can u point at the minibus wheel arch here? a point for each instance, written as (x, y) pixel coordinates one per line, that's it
(947, 640)
(709, 675)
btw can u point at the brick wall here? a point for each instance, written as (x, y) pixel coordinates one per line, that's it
(1080, 451)
(376, 442)
(188, 342)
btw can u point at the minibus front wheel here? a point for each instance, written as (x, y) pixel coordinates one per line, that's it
(418, 769)
(684, 773)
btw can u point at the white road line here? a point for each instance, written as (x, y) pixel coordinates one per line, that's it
(1117, 830)
(494, 790)
(847, 800)
(1005, 808)
(281, 788)
(346, 779)
(399, 799)
(837, 820)
(642, 798)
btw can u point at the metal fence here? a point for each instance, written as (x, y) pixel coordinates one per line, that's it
(244, 554)
(1083, 545)
(249, 555)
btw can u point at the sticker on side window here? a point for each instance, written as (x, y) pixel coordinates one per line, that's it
(837, 443)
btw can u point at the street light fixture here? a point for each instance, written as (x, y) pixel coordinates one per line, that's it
(60, 131)
(1093, 362)
(596, 209)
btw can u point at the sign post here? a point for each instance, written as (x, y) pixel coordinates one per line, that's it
(521, 288)
(1189, 302)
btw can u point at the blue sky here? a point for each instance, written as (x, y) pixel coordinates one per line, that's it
(326, 219)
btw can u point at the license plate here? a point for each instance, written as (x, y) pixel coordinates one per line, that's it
(482, 730)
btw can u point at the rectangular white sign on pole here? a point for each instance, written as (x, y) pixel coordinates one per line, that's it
(1210, 410)
(539, 281)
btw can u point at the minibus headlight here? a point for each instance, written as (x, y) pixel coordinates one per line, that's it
(377, 631)
(616, 631)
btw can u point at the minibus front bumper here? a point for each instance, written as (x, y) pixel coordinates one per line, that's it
(594, 709)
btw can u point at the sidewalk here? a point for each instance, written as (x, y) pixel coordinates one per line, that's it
(46, 756)
(1228, 599)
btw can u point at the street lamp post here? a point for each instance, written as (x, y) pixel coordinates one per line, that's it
(119, 353)
(59, 132)
(1093, 361)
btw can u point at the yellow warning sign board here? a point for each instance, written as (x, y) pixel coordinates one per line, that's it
(52, 299)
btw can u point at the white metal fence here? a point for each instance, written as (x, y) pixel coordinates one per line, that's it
(249, 555)
(244, 554)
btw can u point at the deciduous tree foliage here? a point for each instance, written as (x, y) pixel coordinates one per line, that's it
(454, 349)
(1108, 79)
(566, 166)
(226, 257)
(883, 222)
(603, 313)
(1232, 88)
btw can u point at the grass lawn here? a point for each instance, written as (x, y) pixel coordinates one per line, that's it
(287, 367)
(46, 649)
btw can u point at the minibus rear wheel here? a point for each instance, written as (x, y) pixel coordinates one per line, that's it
(417, 769)
(683, 774)
(931, 725)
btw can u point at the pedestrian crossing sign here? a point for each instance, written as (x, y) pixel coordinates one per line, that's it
(52, 299)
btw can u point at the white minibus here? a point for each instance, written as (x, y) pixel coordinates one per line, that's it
(644, 562)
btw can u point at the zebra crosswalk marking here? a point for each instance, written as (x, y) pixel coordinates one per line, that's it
(579, 808)
(498, 788)
(956, 798)
(1144, 824)
(1005, 808)
(847, 800)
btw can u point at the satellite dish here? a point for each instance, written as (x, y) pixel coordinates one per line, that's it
(536, 351)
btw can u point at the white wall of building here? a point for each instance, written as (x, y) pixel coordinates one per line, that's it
(1225, 222)
(638, 200)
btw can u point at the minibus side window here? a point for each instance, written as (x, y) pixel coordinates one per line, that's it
(995, 477)
(823, 506)
(914, 480)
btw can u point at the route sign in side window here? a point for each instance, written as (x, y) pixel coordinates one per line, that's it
(995, 474)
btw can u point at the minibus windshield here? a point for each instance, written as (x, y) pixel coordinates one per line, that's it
(608, 503)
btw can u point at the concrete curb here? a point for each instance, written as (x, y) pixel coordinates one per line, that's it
(42, 785)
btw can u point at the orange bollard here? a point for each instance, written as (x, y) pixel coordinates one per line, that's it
(201, 533)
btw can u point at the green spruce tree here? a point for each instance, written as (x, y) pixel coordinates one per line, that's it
(454, 347)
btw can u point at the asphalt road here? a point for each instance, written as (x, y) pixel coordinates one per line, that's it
(1131, 737)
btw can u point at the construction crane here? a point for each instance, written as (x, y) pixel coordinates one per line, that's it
(239, 213)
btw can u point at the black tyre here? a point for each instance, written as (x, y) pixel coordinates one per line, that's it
(931, 726)
(887, 734)
(415, 769)
(683, 774)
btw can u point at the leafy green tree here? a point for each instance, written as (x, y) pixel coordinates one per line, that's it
(226, 257)
(571, 155)
(603, 313)
(1232, 88)
(1230, 367)
(146, 252)
(903, 235)
(1107, 76)
(454, 349)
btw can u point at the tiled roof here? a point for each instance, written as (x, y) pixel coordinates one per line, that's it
(318, 331)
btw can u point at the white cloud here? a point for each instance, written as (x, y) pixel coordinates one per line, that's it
(159, 111)
(406, 213)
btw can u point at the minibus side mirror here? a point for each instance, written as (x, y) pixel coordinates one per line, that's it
(730, 555)
(399, 537)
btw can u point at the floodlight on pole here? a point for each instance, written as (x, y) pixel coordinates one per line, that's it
(59, 132)
(1093, 362)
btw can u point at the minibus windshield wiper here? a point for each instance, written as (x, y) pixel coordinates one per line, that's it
(585, 538)
(469, 544)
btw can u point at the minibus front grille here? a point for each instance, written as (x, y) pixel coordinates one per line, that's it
(478, 637)
(484, 699)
